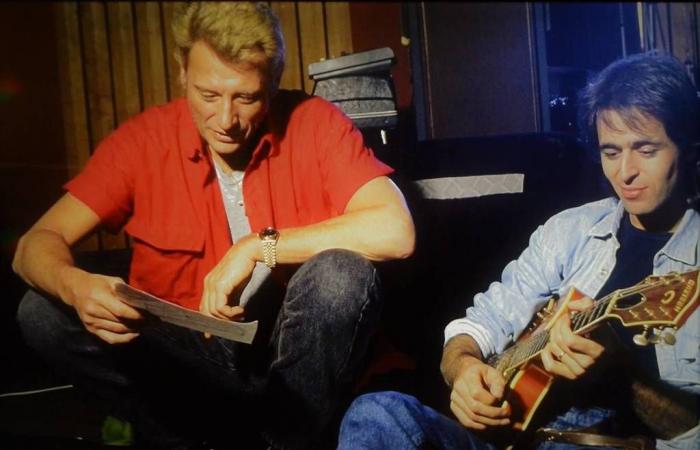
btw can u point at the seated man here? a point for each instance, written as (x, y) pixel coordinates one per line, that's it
(188, 181)
(641, 115)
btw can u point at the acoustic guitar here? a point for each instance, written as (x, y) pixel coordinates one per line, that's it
(658, 304)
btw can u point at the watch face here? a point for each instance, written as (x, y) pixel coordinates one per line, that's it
(269, 233)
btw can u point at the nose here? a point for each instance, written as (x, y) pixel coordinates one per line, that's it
(227, 117)
(629, 167)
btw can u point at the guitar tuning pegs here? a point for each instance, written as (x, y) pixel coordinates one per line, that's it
(653, 338)
(669, 337)
(644, 338)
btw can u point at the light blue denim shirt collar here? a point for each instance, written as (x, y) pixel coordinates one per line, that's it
(682, 245)
(609, 225)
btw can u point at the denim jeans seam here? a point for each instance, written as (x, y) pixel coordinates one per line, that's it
(351, 345)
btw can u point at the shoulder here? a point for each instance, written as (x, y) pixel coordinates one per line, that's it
(160, 127)
(583, 217)
(298, 109)
(158, 117)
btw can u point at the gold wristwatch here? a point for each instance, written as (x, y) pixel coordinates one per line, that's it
(268, 237)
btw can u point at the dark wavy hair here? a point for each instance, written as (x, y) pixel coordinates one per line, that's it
(654, 85)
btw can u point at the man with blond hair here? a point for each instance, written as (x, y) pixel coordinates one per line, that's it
(223, 193)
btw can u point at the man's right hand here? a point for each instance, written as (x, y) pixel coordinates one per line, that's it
(43, 260)
(477, 388)
(101, 311)
(476, 395)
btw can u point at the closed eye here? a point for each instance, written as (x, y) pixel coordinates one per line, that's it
(648, 151)
(247, 99)
(610, 152)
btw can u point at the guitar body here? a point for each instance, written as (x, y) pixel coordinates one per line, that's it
(526, 391)
(530, 384)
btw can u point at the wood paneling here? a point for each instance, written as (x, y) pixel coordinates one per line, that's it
(152, 56)
(172, 69)
(97, 70)
(72, 90)
(72, 95)
(293, 75)
(100, 92)
(675, 30)
(116, 59)
(312, 37)
(124, 58)
(338, 29)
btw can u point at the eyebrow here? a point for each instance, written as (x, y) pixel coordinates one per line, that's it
(208, 90)
(635, 144)
(204, 89)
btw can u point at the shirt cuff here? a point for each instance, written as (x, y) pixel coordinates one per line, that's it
(478, 333)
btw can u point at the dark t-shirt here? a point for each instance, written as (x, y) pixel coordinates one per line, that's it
(634, 262)
(606, 385)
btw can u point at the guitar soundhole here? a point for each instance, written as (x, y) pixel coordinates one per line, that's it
(629, 302)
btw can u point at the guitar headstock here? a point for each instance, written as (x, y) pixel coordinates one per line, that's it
(660, 301)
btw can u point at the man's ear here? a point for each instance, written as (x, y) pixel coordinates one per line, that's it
(183, 77)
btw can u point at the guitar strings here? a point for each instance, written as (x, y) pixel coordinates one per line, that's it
(534, 344)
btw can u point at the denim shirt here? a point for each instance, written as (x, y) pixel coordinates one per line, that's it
(576, 248)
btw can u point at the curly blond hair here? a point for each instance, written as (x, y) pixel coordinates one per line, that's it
(237, 31)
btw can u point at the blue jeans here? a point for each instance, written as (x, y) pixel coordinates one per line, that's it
(176, 386)
(392, 420)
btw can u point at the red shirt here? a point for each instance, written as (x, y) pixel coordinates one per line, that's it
(154, 176)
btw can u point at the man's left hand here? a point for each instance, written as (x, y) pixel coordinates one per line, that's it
(567, 354)
(231, 273)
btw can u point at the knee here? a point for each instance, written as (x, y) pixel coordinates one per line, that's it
(336, 287)
(42, 322)
(337, 274)
(30, 310)
(372, 406)
(387, 411)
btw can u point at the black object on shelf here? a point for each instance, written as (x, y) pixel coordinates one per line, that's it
(360, 84)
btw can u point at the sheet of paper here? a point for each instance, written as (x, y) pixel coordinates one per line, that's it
(177, 315)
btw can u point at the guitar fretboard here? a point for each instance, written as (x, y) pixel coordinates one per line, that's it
(530, 347)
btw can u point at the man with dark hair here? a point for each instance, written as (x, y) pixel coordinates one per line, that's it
(641, 115)
(224, 193)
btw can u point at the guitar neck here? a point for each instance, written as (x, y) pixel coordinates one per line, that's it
(581, 322)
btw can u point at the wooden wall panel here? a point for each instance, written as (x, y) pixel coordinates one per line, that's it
(312, 37)
(124, 58)
(683, 31)
(124, 55)
(72, 95)
(70, 68)
(338, 28)
(97, 70)
(172, 68)
(660, 25)
(152, 56)
(675, 29)
(97, 63)
(293, 75)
